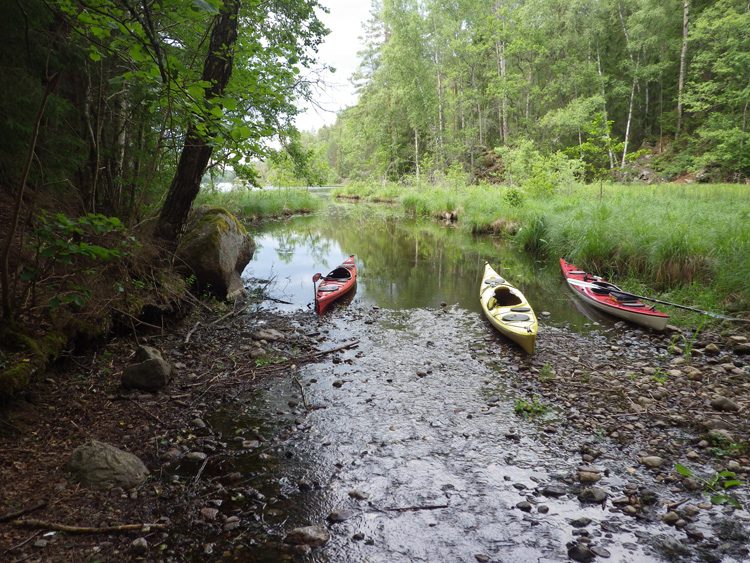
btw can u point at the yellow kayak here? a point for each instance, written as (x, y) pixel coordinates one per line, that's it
(507, 309)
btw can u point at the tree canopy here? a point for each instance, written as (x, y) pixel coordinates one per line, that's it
(442, 81)
(133, 84)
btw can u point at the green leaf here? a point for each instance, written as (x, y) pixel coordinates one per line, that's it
(204, 6)
(727, 474)
(196, 92)
(682, 470)
(730, 484)
(734, 502)
(96, 57)
(719, 500)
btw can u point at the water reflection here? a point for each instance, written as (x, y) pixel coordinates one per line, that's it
(403, 262)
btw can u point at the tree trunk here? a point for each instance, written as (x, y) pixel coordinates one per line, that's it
(604, 107)
(197, 151)
(683, 56)
(4, 261)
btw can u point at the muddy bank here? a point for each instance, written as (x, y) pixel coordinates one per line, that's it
(419, 442)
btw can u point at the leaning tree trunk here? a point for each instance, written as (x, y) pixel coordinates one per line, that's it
(197, 151)
(683, 57)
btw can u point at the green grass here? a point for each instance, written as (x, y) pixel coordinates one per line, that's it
(687, 244)
(266, 203)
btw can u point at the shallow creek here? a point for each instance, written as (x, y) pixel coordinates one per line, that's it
(406, 447)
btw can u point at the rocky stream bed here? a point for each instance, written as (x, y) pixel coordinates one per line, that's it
(374, 435)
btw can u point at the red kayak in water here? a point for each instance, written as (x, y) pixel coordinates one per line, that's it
(608, 297)
(335, 284)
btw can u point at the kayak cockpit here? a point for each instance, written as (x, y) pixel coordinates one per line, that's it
(504, 297)
(339, 274)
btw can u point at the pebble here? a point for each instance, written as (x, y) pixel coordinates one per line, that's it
(340, 515)
(592, 495)
(652, 461)
(724, 404)
(524, 506)
(314, 536)
(580, 553)
(553, 491)
(670, 518)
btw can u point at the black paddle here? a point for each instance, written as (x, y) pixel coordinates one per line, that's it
(625, 296)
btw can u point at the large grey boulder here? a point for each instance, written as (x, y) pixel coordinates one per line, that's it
(100, 466)
(149, 371)
(216, 248)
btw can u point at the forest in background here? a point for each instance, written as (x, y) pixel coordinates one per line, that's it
(604, 83)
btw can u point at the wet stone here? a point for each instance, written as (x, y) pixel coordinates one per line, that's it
(724, 404)
(600, 552)
(652, 461)
(592, 495)
(340, 515)
(314, 536)
(580, 553)
(670, 518)
(542, 508)
(524, 506)
(482, 558)
(553, 491)
(581, 522)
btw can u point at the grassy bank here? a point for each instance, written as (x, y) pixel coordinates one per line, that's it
(266, 203)
(690, 243)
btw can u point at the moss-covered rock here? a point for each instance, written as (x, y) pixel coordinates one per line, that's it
(216, 248)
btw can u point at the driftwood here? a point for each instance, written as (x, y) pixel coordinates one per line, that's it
(86, 529)
(25, 510)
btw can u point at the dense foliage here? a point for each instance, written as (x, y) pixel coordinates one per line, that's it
(447, 81)
(131, 82)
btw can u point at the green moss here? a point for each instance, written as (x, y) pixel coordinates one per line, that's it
(15, 378)
(32, 355)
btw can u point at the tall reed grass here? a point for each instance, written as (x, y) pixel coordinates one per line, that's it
(693, 239)
(266, 203)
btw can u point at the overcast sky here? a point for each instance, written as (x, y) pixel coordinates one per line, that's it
(339, 50)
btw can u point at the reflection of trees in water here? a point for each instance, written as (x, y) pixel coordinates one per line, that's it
(407, 262)
(289, 240)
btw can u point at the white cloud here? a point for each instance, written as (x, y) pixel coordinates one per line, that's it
(339, 50)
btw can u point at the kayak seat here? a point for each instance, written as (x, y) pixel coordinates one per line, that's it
(520, 309)
(506, 298)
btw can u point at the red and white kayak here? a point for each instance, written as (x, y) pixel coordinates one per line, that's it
(608, 297)
(335, 284)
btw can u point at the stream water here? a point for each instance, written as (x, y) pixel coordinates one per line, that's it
(411, 438)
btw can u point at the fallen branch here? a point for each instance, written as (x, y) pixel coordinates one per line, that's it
(190, 332)
(304, 400)
(423, 507)
(22, 511)
(275, 300)
(136, 319)
(85, 529)
(230, 314)
(296, 360)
